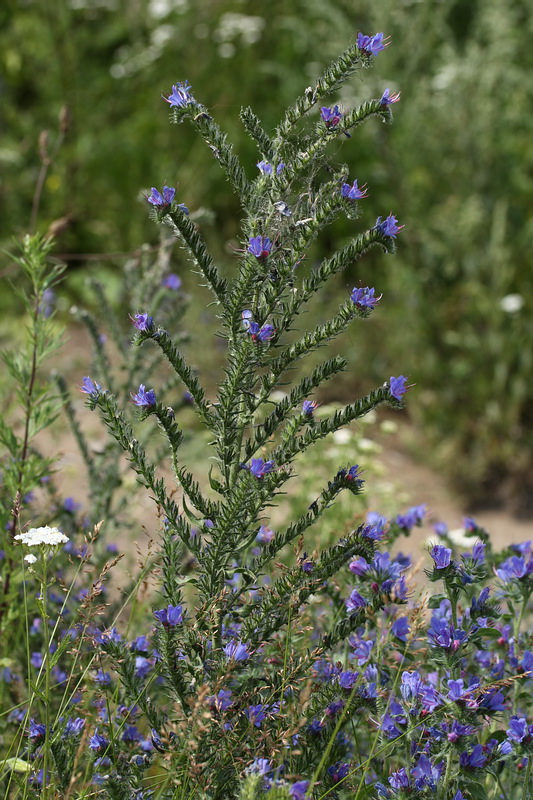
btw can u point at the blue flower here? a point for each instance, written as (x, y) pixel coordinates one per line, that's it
(261, 334)
(172, 281)
(398, 386)
(338, 771)
(162, 199)
(236, 651)
(473, 760)
(353, 192)
(348, 679)
(518, 729)
(400, 628)
(259, 468)
(266, 168)
(74, 726)
(259, 246)
(364, 297)
(143, 322)
(98, 743)
(144, 398)
(298, 790)
(355, 602)
(36, 732)
(102, 678)
(90, 387)
(372, 44)
(308, 406)
(261, 766)
(170, 616)
(388, 99)
(222, 701)
(331, 116)
(256, 714)
(181, 96)
(441, 556)
(388, 226)
(414, 515)
(399, 780)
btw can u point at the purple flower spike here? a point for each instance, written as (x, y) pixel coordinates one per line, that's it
(36, 732)
(441, 556)
(372, 45)
(264, 167)
(365, 298)
(170, 616)
(144, 398)
(171, 281)
(90, 387)
(143, 322)
(353, 192)
(398, 386)
(331, 116)
(387, 99)
(180, 95)
(389, 226)
(162, 199)
(259, 246)
(98, 743)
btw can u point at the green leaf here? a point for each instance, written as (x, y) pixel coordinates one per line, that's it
(435, 600)
(488, 633)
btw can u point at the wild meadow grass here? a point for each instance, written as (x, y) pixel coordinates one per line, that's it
(246, 658)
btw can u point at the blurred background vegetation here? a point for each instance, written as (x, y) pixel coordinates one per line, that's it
(456, 167)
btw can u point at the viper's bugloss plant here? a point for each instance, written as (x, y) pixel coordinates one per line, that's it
(265, 669)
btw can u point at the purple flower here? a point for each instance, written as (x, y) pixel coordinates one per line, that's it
(331, 116)
(389, 226)
(266, 168)
(162, 199)
(172, 281)
(456, 689)
(372, 44)
(143, 322)
(170, 616)
(36, 660)
(414, 515)
(338, 771)
(102, 678)
(36, 732)
(355, 602)
(264, 535)
(261, 334)
(518, 729)
(388, 99)
(359, 565)
(362, 650)
(353, 192)
(375, 527)
(98, 743)
(348, 679)
(514, 568)
(473, 760)
(180, 96)
(259, 468)
(256, 714)
(308, 406)
(222, 701)
(144, 398)
(365, 297)
(259, 246)
(261, 766)
(400, 628)
(298, 790)
(74, 727)
(236, 651)
(399, 780)
(426, 773)
(441, 556)
(440, 528)
(90, 387)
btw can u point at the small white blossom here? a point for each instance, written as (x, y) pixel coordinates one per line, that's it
(38, 536)
(30, 559)
(511, 303)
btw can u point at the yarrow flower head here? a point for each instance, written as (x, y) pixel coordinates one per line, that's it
(388, 226)
(90, 387)
(353, 192)
(372, 44)
(30, 559)
(143, 322)
(331, 116)
(259, 246)
(39, 536)
(163, 198)
(387, 99)
(180, 96)
(144, 398)
(365, 297)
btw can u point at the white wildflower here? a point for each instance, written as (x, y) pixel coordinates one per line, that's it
(45, 535)
(512, 303)
(30, 559)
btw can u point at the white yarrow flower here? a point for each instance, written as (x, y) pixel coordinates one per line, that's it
(30, 558)
(45, 535)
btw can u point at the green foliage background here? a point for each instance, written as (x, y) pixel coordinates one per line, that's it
(456, 168)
